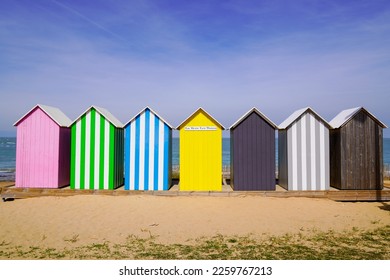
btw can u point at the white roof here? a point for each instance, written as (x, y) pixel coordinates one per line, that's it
(54, 113)
(143, 110)
(344, 116)
(204, 111)
(254, 109)
(297, 114)
(110, 117)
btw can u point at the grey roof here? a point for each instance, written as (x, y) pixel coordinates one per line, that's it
(344, 116)
(54, 113)
(143, 110)
(297, 114)
(255, 110)
(110, 117)
(204, 111)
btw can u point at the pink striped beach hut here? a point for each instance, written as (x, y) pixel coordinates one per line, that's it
(42, 148)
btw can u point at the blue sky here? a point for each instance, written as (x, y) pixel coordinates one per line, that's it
(175, 56)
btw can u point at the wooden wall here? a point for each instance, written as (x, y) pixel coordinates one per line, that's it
(357, 154)
(282, 158)
(253, 154)
(148, 153)
(96, 161)
(200, 154)
(64, 157)
(42, 152)
(307, 154)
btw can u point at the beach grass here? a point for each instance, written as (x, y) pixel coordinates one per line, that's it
(355, 244)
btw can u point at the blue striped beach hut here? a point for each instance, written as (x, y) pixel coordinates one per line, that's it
(148, 152)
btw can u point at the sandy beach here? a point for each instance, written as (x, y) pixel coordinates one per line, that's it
(86, 219)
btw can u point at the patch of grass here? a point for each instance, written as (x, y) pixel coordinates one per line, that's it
(350, 245)
(72, 239)
(3, 243)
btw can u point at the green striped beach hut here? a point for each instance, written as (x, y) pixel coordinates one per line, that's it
(97, 151)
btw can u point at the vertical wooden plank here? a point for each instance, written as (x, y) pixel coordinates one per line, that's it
(65, 150)
(102, 144)
(379, 157)
(232, 161)
(335, 158)
(111, 132)
(283, 158)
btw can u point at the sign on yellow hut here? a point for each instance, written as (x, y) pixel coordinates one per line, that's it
(200, 153)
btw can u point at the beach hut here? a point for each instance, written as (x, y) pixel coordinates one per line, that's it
(200, 153)
(148, 152)
(97, 150)
(252, 153)
(356, 150)
(42, 148)
(303, 153)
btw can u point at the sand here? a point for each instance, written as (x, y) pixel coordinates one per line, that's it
(53, 221)
(6, 184)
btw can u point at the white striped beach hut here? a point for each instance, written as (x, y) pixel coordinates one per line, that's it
(148, 152)
(303, 153)
(97, 143)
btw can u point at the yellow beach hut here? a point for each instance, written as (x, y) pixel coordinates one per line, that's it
(200, 153)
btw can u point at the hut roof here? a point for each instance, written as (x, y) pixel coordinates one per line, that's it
(143, 110)
(204, 111)
(297, 114)
(256, 111)
(54, 113)
(110, 117)
(346, 115)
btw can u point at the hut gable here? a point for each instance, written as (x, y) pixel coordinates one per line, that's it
(148, 148)
(53, 113)
(200, 153)
(347, 115)
(153, 112)
(304, 151)
(105, 113)
(294, 117)
(200, 112)
(42, 148)
(252, 157)
(253, 111)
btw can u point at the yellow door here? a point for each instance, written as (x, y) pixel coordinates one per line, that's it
(200, 153)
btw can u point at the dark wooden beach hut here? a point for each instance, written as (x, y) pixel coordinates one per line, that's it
(252, 155)
(356, 150)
